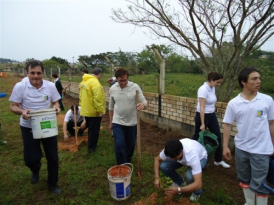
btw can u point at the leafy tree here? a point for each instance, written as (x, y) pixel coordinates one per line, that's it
(202, 26)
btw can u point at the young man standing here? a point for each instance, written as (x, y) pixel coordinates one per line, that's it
(178, 153)
(37, 94)
(254, 116)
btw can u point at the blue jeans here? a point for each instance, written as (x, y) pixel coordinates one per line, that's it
(125, 138)
(168, 168)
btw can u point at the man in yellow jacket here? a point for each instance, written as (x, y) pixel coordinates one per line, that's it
(92, 101)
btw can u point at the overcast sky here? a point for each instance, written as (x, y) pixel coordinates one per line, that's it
(65, 28)
(41, 29)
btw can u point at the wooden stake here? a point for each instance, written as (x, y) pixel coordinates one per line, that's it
(75, 124)
(138, 136)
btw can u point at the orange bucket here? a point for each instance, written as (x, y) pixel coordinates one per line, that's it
(4, 75)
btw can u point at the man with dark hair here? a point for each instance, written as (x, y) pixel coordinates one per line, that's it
(92, 101)
(123, 115)
(37, 94)
(253, 113)
(85, 71)
(69, 123)
(178, 153)
(59, 87)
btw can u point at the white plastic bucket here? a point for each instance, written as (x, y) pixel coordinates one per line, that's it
(44, 123)
(119, 177)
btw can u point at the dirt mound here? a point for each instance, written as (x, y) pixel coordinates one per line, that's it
(71, 145)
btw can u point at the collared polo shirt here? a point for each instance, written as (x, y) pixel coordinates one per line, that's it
(33, 99)
(193, 153)
(70, 116)
(252, 122)
(208, 93)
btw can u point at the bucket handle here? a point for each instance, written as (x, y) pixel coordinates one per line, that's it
(131, 165)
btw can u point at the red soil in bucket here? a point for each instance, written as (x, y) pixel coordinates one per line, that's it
(119, 171)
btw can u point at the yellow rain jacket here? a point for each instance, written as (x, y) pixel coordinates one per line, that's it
(92, 97)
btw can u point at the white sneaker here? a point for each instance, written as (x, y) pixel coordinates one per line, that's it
(178, 185)
(194, 197)
(222, 163)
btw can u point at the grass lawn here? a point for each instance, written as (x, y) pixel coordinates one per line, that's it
(82, 176)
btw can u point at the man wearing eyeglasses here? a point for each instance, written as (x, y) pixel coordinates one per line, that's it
(123, 115)
(37, 94)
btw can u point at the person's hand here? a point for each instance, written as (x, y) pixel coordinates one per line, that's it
(101, 114)
(65, 137)
(157, 183)
(171, 192)
(226, 153)
(83, 125)
(25, 114)
(202, 128)
(140, 106)
(57, 108)
(110, 126)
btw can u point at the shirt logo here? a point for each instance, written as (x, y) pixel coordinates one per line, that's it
(260, 113)
(46, 98)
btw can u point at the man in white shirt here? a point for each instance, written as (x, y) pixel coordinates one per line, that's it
(178, 153)
(69, 123)
(254, 116)
(37, 94)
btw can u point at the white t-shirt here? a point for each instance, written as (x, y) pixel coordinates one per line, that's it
(193, 153)
(70, 116)
(252, 123)
(34, 99)
(208, 93)
(25, 79)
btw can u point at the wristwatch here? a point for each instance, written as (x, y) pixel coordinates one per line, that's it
(179, 190)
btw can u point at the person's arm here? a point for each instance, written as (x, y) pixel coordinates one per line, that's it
(83, 124)
(142, 101)
(226, 136)
(202, 102)
(157, 162)
(196, 185)
(65, 131)
(15, 108)
(271, 129)
(109, 80)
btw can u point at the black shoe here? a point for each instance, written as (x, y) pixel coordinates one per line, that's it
(55, 189)
(34, 177)
(91, 150)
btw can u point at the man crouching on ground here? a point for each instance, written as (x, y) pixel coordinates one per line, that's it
(178, 153)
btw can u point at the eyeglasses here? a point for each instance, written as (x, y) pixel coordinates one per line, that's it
(35, 73)
(122, 81)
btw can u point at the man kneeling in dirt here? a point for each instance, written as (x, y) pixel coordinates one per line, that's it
(69, 123)
(178, 153)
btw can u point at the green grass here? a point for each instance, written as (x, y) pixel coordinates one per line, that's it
(82, 176)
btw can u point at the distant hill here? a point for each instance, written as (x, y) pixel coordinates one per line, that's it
(6, 60)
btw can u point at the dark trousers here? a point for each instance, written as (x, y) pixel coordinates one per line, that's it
(71, 131)
(212, 124)
(125, 138)
(61, 104)
(33, 154)
(93, 124)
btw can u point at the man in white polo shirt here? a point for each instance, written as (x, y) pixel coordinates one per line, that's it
(178, 153)
(37, 94)
(254, 116)
(69, 123)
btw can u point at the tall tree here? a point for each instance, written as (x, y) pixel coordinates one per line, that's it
(201, 26)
